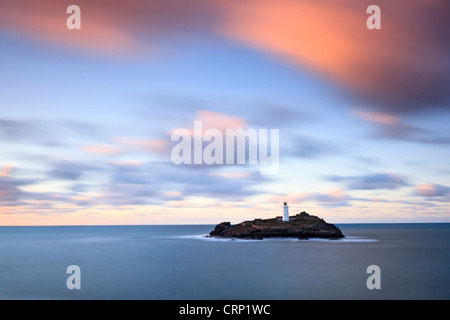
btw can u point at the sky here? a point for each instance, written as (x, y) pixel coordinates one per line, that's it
(86, 115)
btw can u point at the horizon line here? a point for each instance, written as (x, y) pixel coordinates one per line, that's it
(196, 224)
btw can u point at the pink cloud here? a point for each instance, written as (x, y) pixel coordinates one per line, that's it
(376, 117)
(305, 32)
(221, 121)
(5, 172)
(390, 68)
(104, 150)
(46, 21)
(393, 126)
(154, 145)
(112, 27)
(123, 144)
(216, 120)
(395, 71)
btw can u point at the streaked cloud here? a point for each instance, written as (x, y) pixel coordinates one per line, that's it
(111, 28)
(372, 181)
(44, 132)
(329, 198)
(231, 175)
(105, 150)
(432, 190)
(306, 146)
(390, 69)
(127, 163)
(220, 121)
(10, 192)
(396, 127)
(143, 144)
(158, 181)
(387, 68)
(377, 117)
(69, 169)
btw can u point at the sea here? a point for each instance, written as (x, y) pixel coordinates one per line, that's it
(178, 262)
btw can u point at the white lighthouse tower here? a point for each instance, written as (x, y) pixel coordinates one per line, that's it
(286, 212)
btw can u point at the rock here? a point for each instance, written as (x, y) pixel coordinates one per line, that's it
(302, 226)
(220, 228)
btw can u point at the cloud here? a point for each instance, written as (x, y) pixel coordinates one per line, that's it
(154, 145)
(127, 163)
(213, 120)
(104, 150)
(205, 120)
(396, 128)
(125, 183)
(137, 175)
(181, 109)
(388, 125)
(232, 175)
(165, 179)
(330, 198)
(387, 68)
(377, 117)
(6, 171)
(27, 131)
(305, 146)
(124, 145)
(110, 27)
(372, 181)
(238, 115)
(46, 21)
(127, 194)
(47, 133)
(10, 193)
(69, 170)
(273, 114)
(390, 69)
(220, 121)
(432, 190)
(16, 192)
(170, 195)
(213, 182)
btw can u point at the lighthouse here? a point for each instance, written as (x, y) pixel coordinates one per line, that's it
(286, 212)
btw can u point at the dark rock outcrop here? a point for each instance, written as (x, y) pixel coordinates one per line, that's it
(301, 226)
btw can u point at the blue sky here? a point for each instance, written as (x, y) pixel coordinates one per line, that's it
(85, 124)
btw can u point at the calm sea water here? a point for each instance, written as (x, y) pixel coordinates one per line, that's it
(177, 262)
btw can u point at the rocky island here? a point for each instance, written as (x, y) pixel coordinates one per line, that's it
(302, 226)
